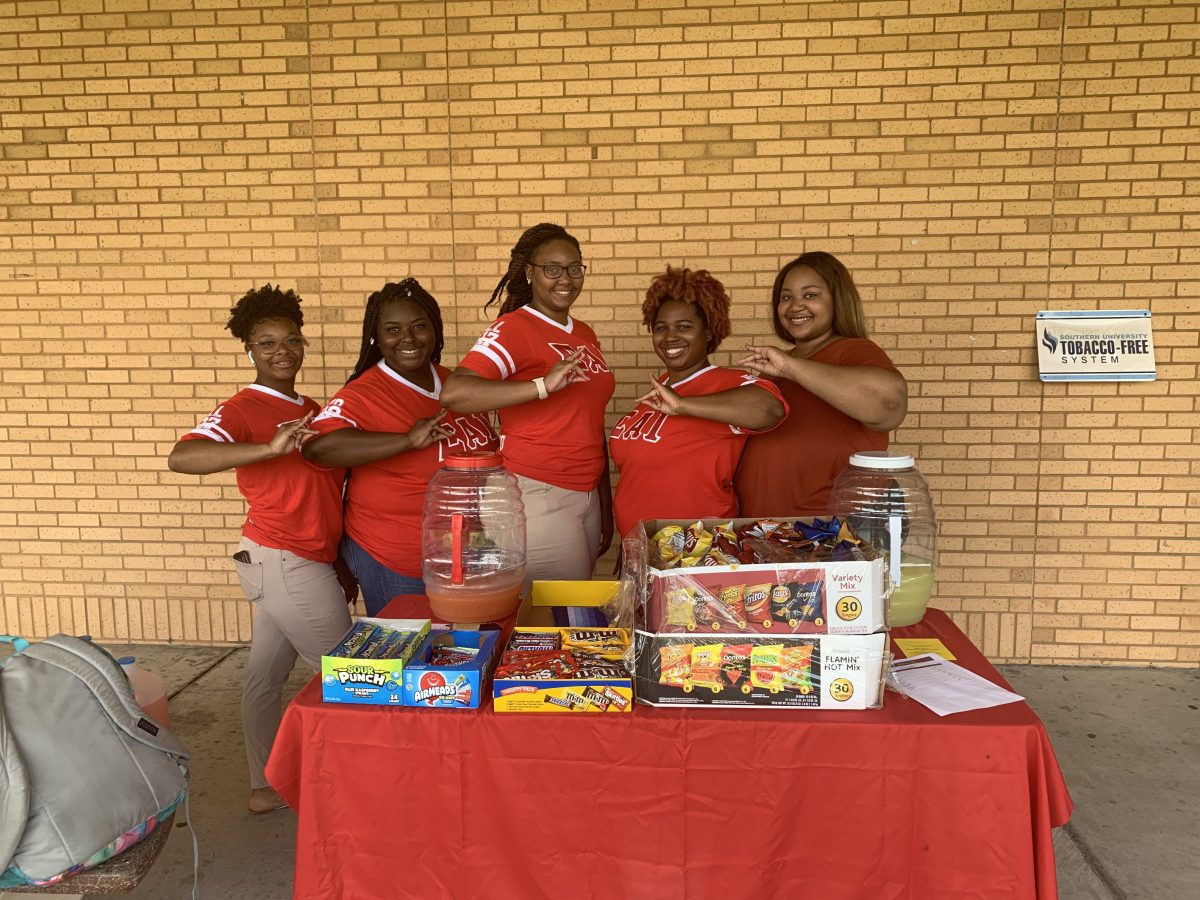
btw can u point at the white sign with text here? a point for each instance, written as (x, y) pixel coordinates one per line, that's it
(1097, 345)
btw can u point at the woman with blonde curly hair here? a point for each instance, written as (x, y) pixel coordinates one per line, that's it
(678, 449)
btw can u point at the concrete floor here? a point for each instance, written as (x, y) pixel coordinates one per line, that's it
(1128, 741)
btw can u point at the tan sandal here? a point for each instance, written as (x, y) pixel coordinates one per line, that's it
(264, 800)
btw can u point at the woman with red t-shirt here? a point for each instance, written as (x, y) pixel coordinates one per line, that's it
(543, 371)
(844, 392)
(387, 426)
(678, 449)
(290, 538)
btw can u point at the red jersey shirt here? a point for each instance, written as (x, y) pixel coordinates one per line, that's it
(559, 440)
(679, 467)
(385, 498)
(790, 471)
(292, 506)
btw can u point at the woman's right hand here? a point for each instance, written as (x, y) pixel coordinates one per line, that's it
(426, 432)
(566, 371)
(769, 361)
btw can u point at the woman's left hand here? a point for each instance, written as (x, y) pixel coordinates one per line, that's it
(662, 398)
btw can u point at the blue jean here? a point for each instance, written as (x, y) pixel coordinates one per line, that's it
(377, 582)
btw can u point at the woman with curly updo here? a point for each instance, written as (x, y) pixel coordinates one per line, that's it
(286, 557)
(677, 451)
(844, 392)
(388, 427)
(544, 372)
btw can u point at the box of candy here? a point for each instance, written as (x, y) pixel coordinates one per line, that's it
(771, 577)
(450, 668)
(547, 668)
(367, 664)
(832, 671)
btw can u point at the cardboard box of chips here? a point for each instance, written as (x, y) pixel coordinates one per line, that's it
(697, 580)
(832, 671)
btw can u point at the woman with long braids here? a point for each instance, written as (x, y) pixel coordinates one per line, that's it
(677, 451)
(388, 427)
(290, 538)
(845, 394)
(544, 372)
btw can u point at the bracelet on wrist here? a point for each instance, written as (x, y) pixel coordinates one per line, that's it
(540, 384)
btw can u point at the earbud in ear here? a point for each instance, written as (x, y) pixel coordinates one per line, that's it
(250, 353)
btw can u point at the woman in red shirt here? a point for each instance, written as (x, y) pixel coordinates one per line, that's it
(544, 371)
(678, 449)
(388, 427)
(844, 392)
(290, 538)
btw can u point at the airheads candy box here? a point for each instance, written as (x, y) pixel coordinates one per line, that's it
(367, 664)
(450, 668)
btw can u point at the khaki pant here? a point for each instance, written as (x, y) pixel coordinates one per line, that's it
(299, 610)
(562, 531)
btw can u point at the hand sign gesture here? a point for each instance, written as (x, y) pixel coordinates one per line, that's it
(765, 361)
(426, 432)
(661, 397)
(566, 371)
(291, 435)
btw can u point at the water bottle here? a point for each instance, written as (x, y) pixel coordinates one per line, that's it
(473, 539)
(149, 691)
(886, 501)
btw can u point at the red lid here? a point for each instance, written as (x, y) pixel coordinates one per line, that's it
(480, 459)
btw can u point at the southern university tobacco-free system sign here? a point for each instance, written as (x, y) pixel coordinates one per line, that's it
(1099, 345)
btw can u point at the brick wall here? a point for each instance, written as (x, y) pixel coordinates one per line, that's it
(973, 161)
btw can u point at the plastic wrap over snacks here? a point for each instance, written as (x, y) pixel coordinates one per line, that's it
(814, 672)
(773, 577)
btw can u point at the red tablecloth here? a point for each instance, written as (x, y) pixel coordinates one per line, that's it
(673, 803)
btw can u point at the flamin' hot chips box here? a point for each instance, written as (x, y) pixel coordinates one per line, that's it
(832, 671)
(547, 684)
(778, 598)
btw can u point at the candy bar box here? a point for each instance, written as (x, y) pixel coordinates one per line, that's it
(769, 577)
(450, 669)
(550, 668)
(367, 664)
(756, 670)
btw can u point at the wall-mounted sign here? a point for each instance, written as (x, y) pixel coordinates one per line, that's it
(1098, 345)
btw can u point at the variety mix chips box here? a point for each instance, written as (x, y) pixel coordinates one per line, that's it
(367, 664)
(450, 669)
(575, 669)
(698, 579)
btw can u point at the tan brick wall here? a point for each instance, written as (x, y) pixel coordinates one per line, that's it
(973, 161)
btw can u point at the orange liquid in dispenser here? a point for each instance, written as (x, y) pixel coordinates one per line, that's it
(468, 603)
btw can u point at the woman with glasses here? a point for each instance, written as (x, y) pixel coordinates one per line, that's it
(388, 427)
(844, 393)
(543, 371)
(678, 449)
(285, 560)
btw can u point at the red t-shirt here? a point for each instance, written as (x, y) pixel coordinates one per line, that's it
(790, 471)
(292, 506)
(385, 498)
(679, 467)
(559, 440)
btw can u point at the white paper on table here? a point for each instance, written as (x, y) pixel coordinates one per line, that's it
(945, 687)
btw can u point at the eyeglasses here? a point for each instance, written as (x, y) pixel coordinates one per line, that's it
(268, 346)
(554, 270)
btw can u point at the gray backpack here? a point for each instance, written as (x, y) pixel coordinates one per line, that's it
(84, 773)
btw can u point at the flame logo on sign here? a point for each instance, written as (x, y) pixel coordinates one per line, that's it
(1049, 341)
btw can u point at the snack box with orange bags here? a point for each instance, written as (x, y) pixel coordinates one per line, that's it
(561, 695)
(762, 598)
(758, 670)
